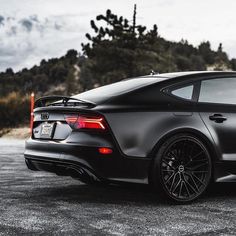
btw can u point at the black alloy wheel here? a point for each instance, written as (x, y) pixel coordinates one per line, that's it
(183, 167)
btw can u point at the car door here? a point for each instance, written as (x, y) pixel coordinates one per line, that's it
(217, 107)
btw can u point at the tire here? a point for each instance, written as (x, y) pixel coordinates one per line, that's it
(182, 168)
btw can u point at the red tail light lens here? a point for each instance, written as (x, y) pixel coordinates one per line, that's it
(104, 150)
(90, 123)
(86, 122)
(71, 120)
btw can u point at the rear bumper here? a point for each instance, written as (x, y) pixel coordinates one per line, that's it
(65, 158)
(63, 168)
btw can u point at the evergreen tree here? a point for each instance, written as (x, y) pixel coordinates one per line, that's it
(119, 50)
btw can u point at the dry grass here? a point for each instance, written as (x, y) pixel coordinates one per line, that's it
(17, 133)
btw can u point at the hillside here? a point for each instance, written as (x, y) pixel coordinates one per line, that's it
(118, 51)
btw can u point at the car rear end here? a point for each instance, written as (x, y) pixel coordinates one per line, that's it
(68, 140)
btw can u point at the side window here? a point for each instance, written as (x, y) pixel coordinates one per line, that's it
(221, 90)
(184, 92)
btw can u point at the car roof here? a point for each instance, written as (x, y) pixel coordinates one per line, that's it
(164, 76)
(103, 93)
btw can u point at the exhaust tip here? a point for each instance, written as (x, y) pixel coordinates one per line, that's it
(81, 174)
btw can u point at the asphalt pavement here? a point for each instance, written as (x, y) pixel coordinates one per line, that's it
(39, 203)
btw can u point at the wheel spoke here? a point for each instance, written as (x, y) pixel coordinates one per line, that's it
(191, 150)
(193, 189)
(198, 154)
(170, 177)
(198, 179)
(176, 185)
(195, 184)
(173, 181)
(186, 187)
(198, 166)
(180, 189)
(194, 161)
(183, 148)
(168, 165)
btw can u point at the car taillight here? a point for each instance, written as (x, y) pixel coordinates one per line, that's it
(105, 150)
(86, 122)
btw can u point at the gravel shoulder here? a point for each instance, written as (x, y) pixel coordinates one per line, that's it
(39, 203)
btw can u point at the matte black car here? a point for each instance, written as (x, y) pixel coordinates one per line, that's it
(175, 131)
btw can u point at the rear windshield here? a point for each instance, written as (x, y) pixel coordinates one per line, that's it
(103, 93)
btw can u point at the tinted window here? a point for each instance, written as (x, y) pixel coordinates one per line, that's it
(184, 92)
(107, 91)
(221, 90)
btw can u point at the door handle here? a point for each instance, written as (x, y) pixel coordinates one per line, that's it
(218, 118)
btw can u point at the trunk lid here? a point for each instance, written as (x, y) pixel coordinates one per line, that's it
(50, 116)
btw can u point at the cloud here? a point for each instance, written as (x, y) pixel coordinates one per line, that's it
(30, 31)
(27, 24)
(1, 20)
(24, 42)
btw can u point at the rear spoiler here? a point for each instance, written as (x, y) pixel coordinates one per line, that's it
(61, 101)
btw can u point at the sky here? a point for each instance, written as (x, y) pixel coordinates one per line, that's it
(32, 30)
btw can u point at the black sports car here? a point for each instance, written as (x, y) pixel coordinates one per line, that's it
(175, 131)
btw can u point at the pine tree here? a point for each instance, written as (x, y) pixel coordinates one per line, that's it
(119, 50)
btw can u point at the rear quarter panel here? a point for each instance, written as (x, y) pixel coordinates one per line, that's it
(138, 132)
